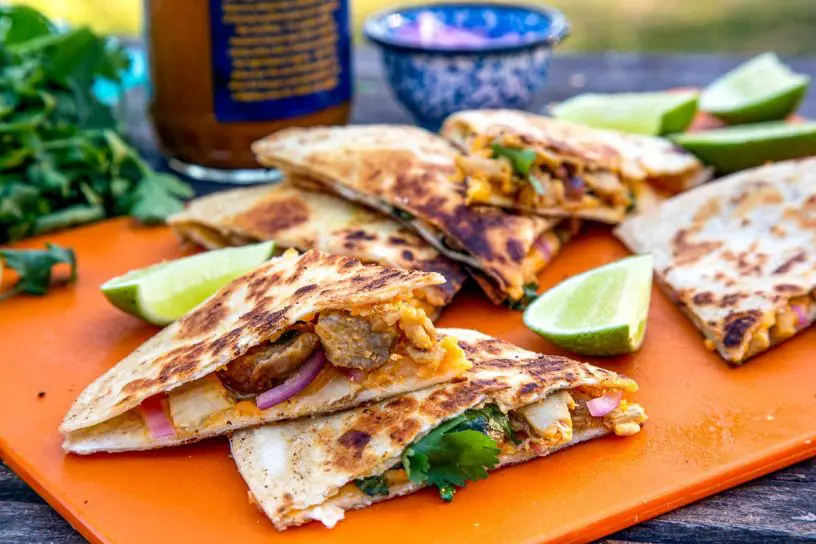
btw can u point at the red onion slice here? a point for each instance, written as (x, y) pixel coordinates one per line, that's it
(801, 315)
(295, 383)
(574, 188)
(601, 406)
(543, 246)
(158, 422)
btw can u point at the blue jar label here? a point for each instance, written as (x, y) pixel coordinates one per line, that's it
(278, 59)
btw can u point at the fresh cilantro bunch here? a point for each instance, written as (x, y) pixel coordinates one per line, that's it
(62, 162)
(33, 266)
(460, 449)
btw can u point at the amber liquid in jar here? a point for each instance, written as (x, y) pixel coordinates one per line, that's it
(225, 73)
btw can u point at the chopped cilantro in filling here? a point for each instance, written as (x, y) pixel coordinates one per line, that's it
(459, 450)
(373, 486)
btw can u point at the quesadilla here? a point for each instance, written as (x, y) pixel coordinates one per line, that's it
(295, 218)
(540, 165)
(737, 255)
(301, 335)
(405, 171)
(512, 406)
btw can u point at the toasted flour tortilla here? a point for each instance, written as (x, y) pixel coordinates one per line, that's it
(737, 255)
(300, 471)
(618, 171)
(405, 171)
(303, 220)
(182, 360)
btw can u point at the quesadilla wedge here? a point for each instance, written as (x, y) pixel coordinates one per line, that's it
(737, 255)
(300, 219)
(540, 165)
(512, 406)
(301, 335)
(405, 172)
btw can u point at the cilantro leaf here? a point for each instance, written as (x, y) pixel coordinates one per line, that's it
(154, 199)
(372, 486)
(460, 450)
(62, 163)
(34, 267)
(530, 294)
(520, 159)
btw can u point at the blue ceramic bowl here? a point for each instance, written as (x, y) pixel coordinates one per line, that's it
(433, 81)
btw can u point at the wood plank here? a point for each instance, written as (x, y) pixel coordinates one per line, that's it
(780, 507)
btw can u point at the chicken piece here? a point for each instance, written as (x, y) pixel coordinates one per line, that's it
(550, 418)
(263, 366)
(355, 341)
(626, 419)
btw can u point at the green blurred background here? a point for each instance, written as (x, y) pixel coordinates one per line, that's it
(785, 26)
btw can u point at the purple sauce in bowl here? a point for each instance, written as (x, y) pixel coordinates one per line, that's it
(443, 58)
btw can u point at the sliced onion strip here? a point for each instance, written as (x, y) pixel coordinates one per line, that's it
(601, 406)
(543, 247)
(295, 383)
(156, 418)
(801, 315)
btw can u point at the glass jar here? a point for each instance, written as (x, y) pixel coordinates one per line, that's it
(225, 73)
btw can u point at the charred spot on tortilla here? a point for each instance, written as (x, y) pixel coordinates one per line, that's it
(706, 297)
(737, 325)
(361, 235)
(354, 439)
(731, 299)
(305, 289)
(786, 267)
(271, 217)
(788, 288)
(205, 320)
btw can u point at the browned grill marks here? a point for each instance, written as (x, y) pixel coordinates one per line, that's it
(786, 267)
(268, 218)
(737, 326)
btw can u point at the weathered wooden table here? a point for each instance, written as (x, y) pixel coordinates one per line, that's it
(780, 507)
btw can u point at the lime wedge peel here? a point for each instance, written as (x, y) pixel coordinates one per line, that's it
(745, 146)
(162, 293)
(600, 312)
(761, 89)
(652, 113)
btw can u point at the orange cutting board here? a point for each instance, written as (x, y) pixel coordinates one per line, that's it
(711, 426)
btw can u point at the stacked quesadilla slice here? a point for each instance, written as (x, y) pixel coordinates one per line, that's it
(407, 172)
(301, 335)
(512, 406)
(737, 255)
(536, 164)
(300, 219)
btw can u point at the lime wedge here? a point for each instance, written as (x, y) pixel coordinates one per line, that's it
(641, 113)
(164, 292)
(737, 148)
(600, 312)
(761, 89)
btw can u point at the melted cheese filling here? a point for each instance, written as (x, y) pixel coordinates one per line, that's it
(205, 402)
(543, 426)
(782, 324)
(552, 182)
